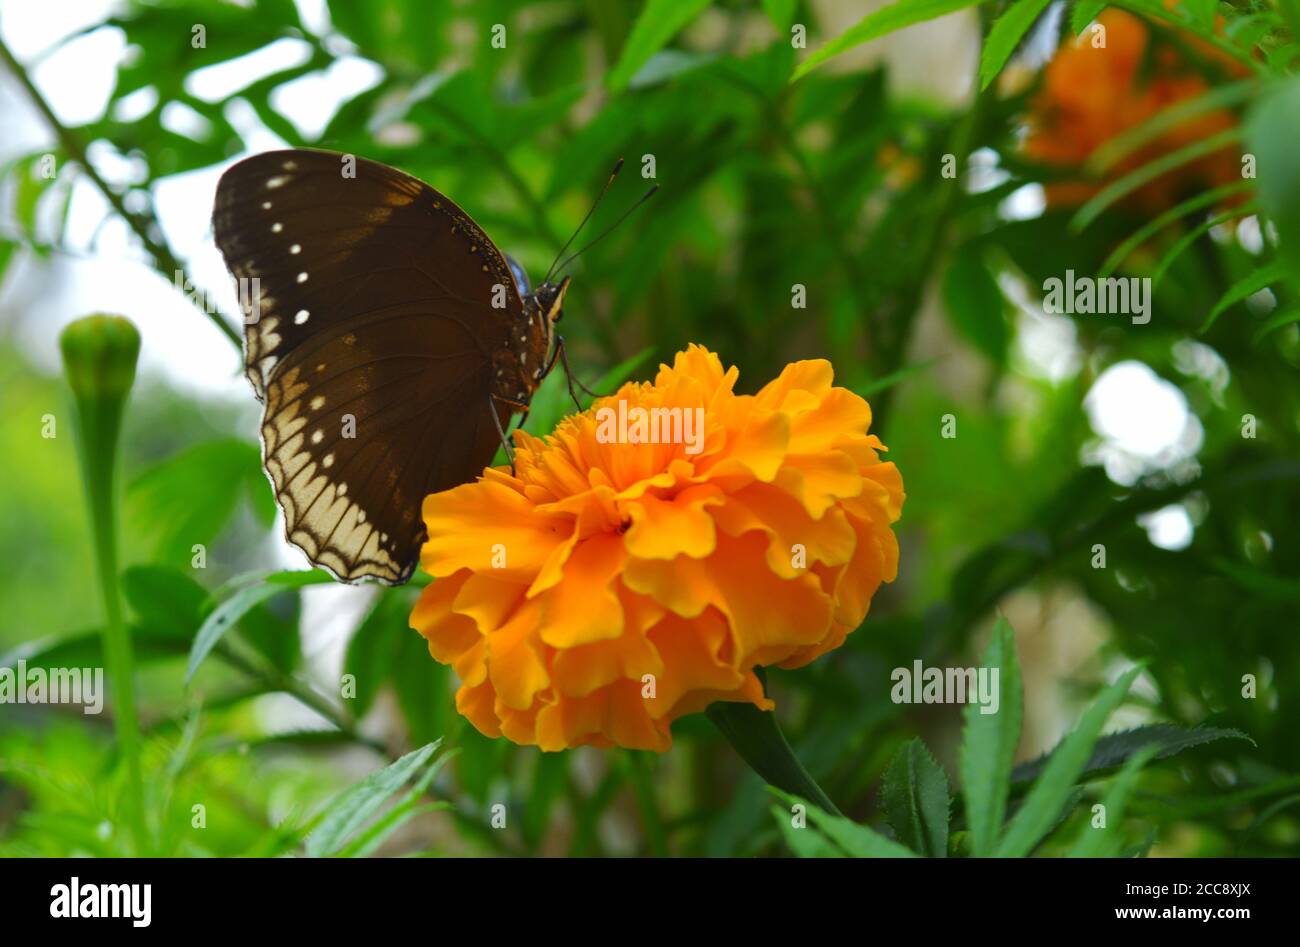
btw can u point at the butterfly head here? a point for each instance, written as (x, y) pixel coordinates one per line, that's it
(550, 300)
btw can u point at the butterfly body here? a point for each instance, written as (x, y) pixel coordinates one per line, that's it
(389, 340)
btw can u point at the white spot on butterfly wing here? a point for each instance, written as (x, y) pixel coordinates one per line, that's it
(300, 317)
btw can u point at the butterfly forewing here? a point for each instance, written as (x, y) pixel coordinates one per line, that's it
(370, 331)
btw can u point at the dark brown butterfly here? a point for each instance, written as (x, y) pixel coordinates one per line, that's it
(389, 340)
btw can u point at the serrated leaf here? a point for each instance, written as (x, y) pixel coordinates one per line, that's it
(989, 745)
(915, 798)
(880, 23)
(1114, 749)
(1006, 34)
(353, 807)
(1043, 804)
(409, 808)
(659, 22)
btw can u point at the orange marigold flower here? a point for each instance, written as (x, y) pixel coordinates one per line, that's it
(630, 572)
(1091, 95)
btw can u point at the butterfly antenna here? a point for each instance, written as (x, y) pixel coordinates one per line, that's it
(608, 230)
(568, 243)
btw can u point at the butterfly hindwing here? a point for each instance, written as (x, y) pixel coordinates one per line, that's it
(369, 338)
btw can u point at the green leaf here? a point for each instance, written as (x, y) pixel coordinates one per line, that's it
(423, 688)
(659, 22)
(1006, 34)
(857, 840)
(1094, 842)
(894, 378)
(549, 780)
(1260, 279)
(350, 810)
(373, 648)
(915, 798)
(409, 808)
(189, 498)
(1271, 138)
(245, 598)
(781, 13)
(974, 303)
(1147, 173)
(1124, 144)
(1276, 321)
(989, 745)
(881, 23)
(805, 842)
(86, 649)
(1084, 12)
(758, 739)
(1044, 802)
(1152, 227)
(1189, 238)
(165, 599)
(1257, 582)
(1115, 749)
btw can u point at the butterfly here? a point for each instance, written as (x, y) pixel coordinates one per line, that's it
(389, 341)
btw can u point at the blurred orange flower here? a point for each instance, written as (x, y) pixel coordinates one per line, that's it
(621, 579)
(1090, 95)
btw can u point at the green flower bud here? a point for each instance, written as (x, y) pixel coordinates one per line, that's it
(99, 356)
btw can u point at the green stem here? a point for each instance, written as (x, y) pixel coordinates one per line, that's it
(145, 225)
(99, 356)
(639, 772)
(757, 737)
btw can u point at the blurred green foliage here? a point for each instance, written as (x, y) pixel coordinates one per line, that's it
(915, 283)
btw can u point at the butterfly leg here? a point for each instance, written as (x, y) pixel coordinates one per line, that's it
(492, 399)
(562, 354)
